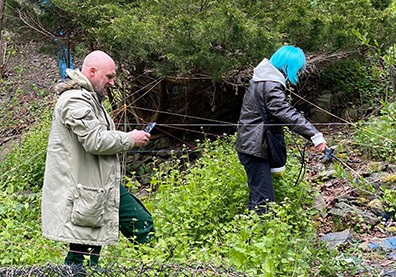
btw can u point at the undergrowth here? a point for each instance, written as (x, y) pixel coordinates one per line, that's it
(22, 167)
(200, 217)
(377, 141)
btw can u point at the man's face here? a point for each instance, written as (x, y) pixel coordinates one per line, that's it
(103, 78)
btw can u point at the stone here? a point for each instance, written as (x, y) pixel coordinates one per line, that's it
(392, 168)
(372, 167)
(164, 153)
(325, 101)
(147, 159)
(376, 207)
(134, 157)
(341, 209)
(347, 199)
(391, 179)
(133, 166)
(145, 179)
(162, 143)
(319, 203)
(325, 175)
(391, 229)
(337, 238)
(363, 200)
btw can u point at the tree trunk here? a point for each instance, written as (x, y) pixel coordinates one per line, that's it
(2, 56)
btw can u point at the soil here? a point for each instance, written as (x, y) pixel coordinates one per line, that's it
(33, 74)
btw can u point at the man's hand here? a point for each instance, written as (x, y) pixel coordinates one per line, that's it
(321, 147)
(140, 138)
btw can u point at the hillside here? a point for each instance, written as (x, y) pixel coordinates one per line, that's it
(25, 94)
(25, 89)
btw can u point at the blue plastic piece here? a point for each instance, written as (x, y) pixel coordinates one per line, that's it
(374, 245)
(387, 244)
(62, 61)
(391, 243)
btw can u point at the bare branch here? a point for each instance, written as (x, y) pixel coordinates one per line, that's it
(32, 21)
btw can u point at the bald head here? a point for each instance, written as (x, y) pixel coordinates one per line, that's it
(99, 68)
(96, 59)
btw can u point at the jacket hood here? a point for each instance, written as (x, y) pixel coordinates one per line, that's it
(265, 71)
(77, 80)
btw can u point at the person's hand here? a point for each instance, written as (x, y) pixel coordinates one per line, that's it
(321, 147)
(140, 138)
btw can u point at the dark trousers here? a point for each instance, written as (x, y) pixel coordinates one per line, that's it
(136, 224)
(259, 181)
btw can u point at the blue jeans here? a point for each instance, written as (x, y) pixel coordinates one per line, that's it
(259, 181)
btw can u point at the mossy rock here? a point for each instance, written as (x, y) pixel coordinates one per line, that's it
(391, 179)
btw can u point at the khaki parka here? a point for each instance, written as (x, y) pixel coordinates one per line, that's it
(80, 200)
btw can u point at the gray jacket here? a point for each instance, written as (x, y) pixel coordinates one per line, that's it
(270, 84)
(80, 200)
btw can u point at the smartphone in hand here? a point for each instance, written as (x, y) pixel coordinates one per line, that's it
(149, 127)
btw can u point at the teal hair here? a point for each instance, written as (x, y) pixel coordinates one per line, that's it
(290, 60)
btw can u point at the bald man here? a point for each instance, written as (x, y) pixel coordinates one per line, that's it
(83, 201)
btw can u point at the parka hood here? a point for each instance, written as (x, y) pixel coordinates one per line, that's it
(77, 80)
(265, 71)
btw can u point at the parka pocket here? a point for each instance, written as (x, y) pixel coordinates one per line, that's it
(83, 121)
(88, 207)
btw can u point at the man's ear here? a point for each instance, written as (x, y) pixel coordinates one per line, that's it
(92, 71)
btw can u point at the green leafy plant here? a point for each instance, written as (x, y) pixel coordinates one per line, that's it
(200, 215)
(378, 140)
(389, 199)
(22, 242)
(359, 85)
(22, 167)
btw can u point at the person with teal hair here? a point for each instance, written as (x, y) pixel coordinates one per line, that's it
(289, 60)
(269, 81)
